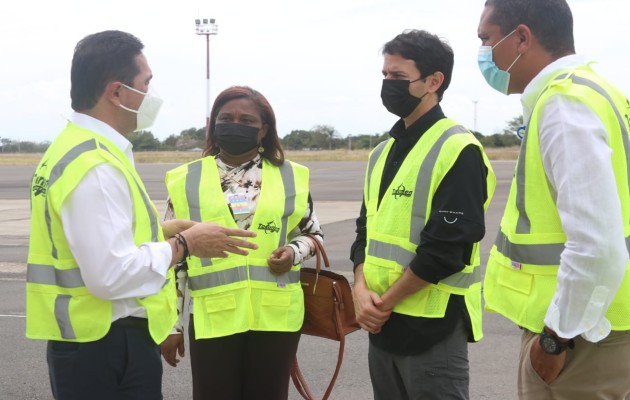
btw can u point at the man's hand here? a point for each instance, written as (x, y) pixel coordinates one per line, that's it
(368, 308)
(171, 346)
(175, 226)
(281, 260)
(207, 239)
(547, 366)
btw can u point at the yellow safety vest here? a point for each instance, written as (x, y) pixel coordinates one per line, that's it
(239, 293)
(521, 277)
(394, 226)
(58, 304)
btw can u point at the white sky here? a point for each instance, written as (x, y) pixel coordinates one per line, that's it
(317, 62)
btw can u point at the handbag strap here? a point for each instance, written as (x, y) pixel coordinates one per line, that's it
(300, 382)
(296, 374)
(320, 253)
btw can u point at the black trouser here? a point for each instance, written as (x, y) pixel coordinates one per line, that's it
(244, 366)
(123, 365)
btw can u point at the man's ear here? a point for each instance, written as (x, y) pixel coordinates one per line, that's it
(525, 38)
(112, 92)
(434, 81)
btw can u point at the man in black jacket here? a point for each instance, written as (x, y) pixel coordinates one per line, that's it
(416, 254)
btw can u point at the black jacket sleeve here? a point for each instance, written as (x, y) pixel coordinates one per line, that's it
(357, 250)
(456, 222)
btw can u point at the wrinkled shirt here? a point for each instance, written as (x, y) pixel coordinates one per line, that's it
(576, 155)
(98, 221)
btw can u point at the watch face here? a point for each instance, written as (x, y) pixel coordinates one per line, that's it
(549, 344)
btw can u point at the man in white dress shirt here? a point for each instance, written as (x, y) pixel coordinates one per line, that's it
(100, 287)
(558, 266)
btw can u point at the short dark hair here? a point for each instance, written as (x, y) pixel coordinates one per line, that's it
(99, 59)
(430, 54)
(271, 142)
(550, 21)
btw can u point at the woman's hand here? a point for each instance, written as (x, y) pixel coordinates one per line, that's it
(172, 345)
(281, 260)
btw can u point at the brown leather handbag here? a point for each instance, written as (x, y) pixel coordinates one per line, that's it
(329, 313)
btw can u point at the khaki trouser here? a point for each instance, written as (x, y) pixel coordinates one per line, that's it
(592, 371)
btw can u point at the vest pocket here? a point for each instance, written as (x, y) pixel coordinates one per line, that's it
(221, 315)
(274, 309)
(275, 299)
(511, 292)
(378, 277)
(515, 280)
(220, 303)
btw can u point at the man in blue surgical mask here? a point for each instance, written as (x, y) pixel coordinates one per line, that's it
(416, 256)
(100, 288)
(558, 266)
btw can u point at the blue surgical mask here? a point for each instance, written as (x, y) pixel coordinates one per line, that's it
(496, 78)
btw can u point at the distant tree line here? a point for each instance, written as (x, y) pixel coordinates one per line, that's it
(320, 137)
(506, 138)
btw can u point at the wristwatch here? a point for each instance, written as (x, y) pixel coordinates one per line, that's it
(551, 344)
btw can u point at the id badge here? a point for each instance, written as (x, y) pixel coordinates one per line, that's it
(239, 204)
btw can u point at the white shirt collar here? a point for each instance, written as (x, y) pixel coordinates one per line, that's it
(532, 90)
(101, 128)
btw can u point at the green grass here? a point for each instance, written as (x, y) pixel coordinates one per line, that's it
(147, 157)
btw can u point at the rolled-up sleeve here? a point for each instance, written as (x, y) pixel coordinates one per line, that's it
(576, 154)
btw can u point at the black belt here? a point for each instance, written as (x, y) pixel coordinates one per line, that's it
(132, 322)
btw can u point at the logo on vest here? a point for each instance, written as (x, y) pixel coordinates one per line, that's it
(269, 227)
(400, 191)
(40, 184)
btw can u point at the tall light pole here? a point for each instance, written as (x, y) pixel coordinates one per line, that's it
(475, 115)
(207, 27)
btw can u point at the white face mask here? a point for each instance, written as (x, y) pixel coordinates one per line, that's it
(148, 110)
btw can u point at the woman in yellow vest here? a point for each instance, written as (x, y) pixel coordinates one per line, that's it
(248, 310)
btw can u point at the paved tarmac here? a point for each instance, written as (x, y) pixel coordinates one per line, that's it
(336, 188)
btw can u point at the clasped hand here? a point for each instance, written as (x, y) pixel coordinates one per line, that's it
(370, 311)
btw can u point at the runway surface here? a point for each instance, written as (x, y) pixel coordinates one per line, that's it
(336, 188)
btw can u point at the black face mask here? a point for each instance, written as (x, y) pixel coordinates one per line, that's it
(236, 139)
(397, 99)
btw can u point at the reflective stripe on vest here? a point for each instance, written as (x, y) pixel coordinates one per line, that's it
(376, 153)
(536, 254)
(193, 179)
(401, 256)
(392, 252)
(49, 275)
(62, 315)
(259, 273)
(288, 181)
